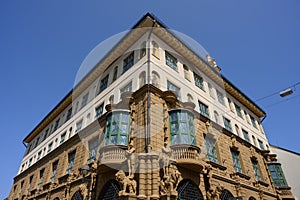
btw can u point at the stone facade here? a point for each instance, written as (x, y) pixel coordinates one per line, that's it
(152, 144)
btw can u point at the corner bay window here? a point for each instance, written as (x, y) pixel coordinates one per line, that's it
(117, 127)
(182, 127)
(277, 175)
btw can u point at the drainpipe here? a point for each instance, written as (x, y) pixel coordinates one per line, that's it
(147, 140)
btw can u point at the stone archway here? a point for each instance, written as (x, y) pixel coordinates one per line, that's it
(188, 190)
(226, 195)
(110, 191)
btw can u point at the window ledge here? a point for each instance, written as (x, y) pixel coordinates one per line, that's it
(216, 165)
(240, 175)
(261, 183)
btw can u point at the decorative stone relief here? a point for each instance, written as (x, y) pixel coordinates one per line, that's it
(214, 193)
(127, 184)
(130, 155)
(169, 183)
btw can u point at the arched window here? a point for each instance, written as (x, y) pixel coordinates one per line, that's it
(186, 72)
(190, 98)
(155, 79)
(155, 49)
(110, 191)
(77, 196)
(226, 195)
(143, 50)
(237, 130)
(188, 190)
(216, 115)
(142, 79)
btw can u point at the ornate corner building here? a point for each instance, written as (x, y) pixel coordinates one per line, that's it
(152, 120)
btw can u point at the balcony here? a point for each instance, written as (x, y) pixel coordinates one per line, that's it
(187, 156)
(113, 155)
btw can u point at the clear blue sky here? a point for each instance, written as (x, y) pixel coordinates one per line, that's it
(42, 44)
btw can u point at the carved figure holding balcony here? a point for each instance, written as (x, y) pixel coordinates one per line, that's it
(127, 184)
(166, 154)
(170, 182)
(130, 160)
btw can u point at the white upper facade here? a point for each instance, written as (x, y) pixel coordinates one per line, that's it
(128, 73)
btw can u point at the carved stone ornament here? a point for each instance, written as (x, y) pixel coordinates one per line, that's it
(214, 193)
(127, 184)
(169, 183)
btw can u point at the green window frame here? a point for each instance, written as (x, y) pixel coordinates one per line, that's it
(256, 170)
(103, 84)
(117, 128)
(277, 175)
(182, 127)
(220, 97)
(198, 81)
(238, 111)
(253, 122)
(171, 61)
(93, 146)
(211, 151)
(128, 62)
(227, 124)
(236, 161)
(203, 109)
(71, 159)
(246, 135)
(99, 110)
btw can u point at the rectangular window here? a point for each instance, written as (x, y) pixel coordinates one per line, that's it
(69, 114)
(99, 110)
(127, 88)
(71, 159)
(117, 128)
(256, 170)
(236, 161)
(220, 97)
(85, 99)
(238, 111)
(174, 88)
(41, 178)
(227, 124)
(63, 138)
(253, 122)
(198, 81)
(56, 125)
(128, 62)
(30, 162)
(46, 134)
(203, 109)
(39, 155)
(171, 61)
(78, 126)
(277, 175)
(261, 144)
(93, 146)
(37, 142)
(54, 169)
(211, 151)
(246, 135)
(50, 147)
(103, 84)
(115, 75)
(210, 90)
(182, 127)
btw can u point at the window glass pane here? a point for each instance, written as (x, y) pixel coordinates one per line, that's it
(171, 61)
(198, 81)
(220, 97)
(128, 62)
(123, 140)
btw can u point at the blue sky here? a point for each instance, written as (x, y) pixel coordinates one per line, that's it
(43, 43)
